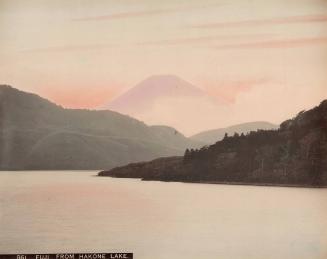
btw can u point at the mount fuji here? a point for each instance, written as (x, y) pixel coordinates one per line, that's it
(169, 100)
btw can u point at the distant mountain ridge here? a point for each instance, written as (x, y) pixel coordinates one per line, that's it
(212, 136)
(38, 134)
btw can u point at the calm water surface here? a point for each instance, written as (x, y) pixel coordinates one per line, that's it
(72, 211)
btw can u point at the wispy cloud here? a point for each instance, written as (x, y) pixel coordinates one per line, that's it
(284, 43)
(228, 91)
(79, 96)
(141, 13)
(69, 48)
(203, 39)
(125, 15)
(269, 21)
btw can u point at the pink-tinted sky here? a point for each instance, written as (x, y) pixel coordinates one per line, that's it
(254, 55)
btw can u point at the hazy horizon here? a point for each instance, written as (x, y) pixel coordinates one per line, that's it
(257, 60)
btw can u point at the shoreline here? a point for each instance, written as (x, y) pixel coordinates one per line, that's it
(227, 183)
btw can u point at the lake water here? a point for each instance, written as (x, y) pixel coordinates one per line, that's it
(71, 211)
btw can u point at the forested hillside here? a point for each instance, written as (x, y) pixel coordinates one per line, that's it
(295, 154)
(38, 134)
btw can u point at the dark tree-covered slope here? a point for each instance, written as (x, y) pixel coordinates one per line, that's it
(294, 155)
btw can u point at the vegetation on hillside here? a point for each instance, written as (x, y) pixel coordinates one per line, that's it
(295, 154)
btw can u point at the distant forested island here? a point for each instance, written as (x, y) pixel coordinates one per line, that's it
(293, 155)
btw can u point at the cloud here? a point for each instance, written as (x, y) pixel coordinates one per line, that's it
(228, 91)
(269, 21)
(70, 48)
(142, 13)
(125, 15)
(80, 96)
(283, 43)
(202, 39)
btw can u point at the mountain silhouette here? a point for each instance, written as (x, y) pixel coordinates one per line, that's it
(38, 134)
(146, 93)
(168, 100)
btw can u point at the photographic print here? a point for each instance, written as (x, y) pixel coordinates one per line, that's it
(163, 129)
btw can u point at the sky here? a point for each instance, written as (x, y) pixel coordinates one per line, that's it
(266, 59)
